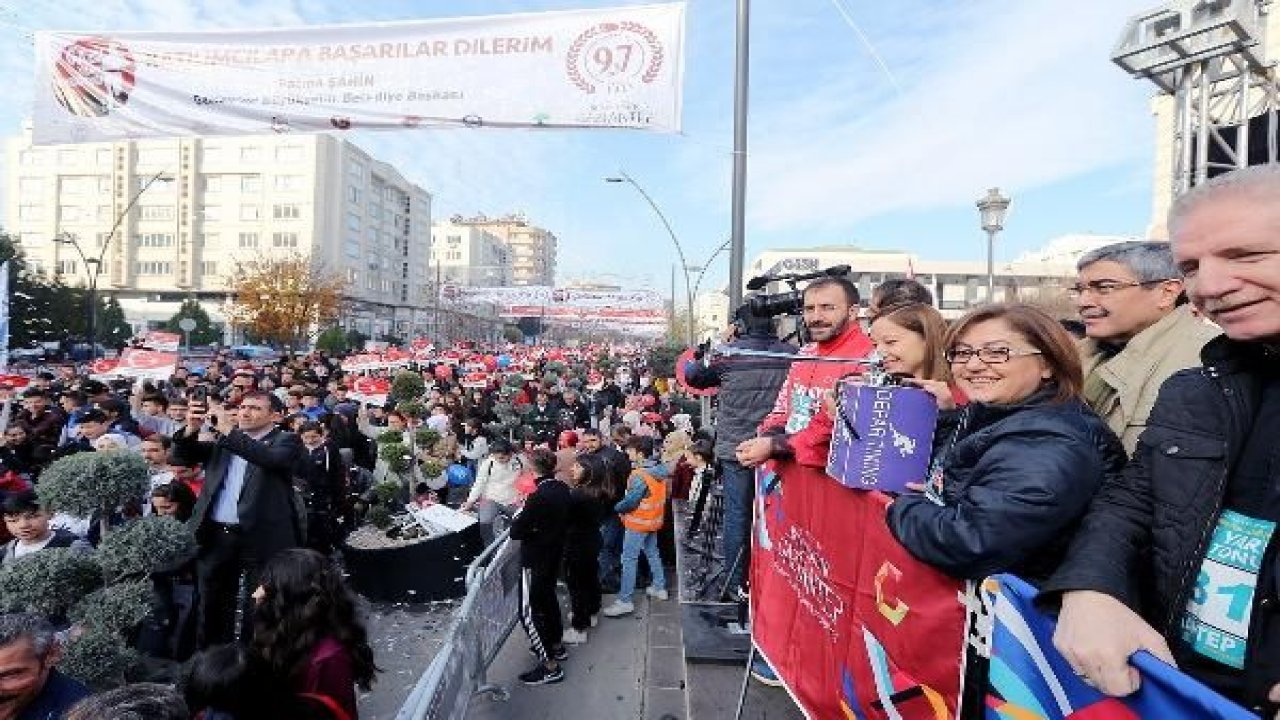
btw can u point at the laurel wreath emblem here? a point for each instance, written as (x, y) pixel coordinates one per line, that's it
(649, 37)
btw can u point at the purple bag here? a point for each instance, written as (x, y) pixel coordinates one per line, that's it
(884, 437)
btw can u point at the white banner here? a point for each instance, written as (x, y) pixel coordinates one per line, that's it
(608, 68)
(541, 295)
(162, 341)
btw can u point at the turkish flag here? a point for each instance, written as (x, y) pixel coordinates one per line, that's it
(136, 362)
(372, 386)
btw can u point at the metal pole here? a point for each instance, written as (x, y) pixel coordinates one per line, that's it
(436, 322)
(684, 262)
(738, 244)
(991, 265)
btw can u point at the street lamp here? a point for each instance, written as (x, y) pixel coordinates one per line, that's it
(992, 209)
(93, 265)
(623, 177)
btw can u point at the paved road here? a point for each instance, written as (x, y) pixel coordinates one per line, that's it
(630, 668)
(404, 638)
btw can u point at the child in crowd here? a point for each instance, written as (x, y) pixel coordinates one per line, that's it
(589, 504)
(540, 528)
(642, 511)
(701, 457)
(29, 525)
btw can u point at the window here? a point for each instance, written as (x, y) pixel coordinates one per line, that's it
(288, 182)
(454, 255)
(77, 185)
(250, 183)
(353, 194)
(211, 213)
(212, 153)
(31, 157)
(104, 213)
(353, 277)
(153, 267)
(356, 172)
(248, 212)
(289, 153)
(207, 239)
(352, 247)
(248, 240)
(104, 184)
(212, 183)
(353, 222)
(30, 186)
(161, 185)
(157, 212)
(208, 267)
(252, 153)
(288, 211)
(65, 267)
(68, 157)
(155, 240)
(102, 157)
(284, 240)
(30, 212)
(72, 213)
(154, 156)
(375, 211)
(102, 238)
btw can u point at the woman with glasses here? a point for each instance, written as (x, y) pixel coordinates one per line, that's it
(1010, 482)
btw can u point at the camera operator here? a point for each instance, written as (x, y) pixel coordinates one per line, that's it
(748, 388)
(799, 427)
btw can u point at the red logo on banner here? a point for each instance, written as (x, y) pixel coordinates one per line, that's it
(103, 366)
(372, 386)
(136, 359)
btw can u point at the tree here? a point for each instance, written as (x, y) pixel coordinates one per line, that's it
(112, 329)
(282, 299)
(332, 340)
(40, 309)
(205, 333)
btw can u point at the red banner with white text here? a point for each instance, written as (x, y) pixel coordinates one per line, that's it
(853, 625)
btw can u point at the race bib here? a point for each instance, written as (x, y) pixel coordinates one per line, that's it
(1216, 624)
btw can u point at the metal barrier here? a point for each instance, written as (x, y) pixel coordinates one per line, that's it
(487, 616)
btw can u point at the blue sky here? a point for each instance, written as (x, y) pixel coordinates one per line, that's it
(1018, 94)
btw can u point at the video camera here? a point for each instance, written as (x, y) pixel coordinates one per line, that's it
(758, 308)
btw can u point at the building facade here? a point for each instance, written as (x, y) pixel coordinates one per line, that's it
(469, 255)
(531, 249)
(173, 218)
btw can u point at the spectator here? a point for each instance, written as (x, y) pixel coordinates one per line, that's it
(1139, 328)
(1019, 471)
(1144, 572)
(321, 479)
(42, 421)
(120, 421)
(541, 421)
(31, 688)
(540, 528)
(895, 293)
(589, 504)
(29, 524)
(138, 701)
(245, 513)
(642, 510)
(17, 455)
(494, 491)
(566, 455)
(153, 415)
(573, 412)
(91, 424)
(173, 500)
(306, 629)
(155, 450)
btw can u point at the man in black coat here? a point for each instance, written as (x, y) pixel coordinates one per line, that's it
(247, 510)
(748, 388)
(1178, 555)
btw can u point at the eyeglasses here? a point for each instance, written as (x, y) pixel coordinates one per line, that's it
(1106, 287)
(988, 355)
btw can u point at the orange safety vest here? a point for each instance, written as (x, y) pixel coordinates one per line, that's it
(647, 517)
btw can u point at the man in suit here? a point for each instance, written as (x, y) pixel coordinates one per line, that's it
(246, 511)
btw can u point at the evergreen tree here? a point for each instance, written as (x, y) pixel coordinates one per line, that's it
(205, 333)
(40, 309)
(333, 341)
(112, 329)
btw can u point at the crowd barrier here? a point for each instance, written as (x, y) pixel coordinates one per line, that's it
(489, 612)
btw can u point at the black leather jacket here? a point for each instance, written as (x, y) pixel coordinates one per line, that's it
(748, 388)
(1147, 531)
(1018, 478)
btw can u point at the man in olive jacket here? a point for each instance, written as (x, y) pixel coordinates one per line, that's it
(1139, 331)
(246, 512)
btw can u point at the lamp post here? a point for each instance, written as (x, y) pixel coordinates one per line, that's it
(623, 177)
(992, 209)
(93, 265)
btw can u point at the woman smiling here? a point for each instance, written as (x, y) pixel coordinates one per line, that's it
(1026, 455)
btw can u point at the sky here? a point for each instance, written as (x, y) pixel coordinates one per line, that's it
(876, 124)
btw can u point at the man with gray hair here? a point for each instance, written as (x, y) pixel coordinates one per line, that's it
(30, 687)
(1178, 554)
(1138, 331)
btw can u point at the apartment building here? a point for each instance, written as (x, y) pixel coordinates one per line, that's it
(469, 255)
(172, 218)
(532, 249)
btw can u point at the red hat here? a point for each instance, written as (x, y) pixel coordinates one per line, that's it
(568, 439)
(652, 417)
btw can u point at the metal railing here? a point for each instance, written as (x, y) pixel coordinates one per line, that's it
(488, 614)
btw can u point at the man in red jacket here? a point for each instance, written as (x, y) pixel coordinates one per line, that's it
(799, 426)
